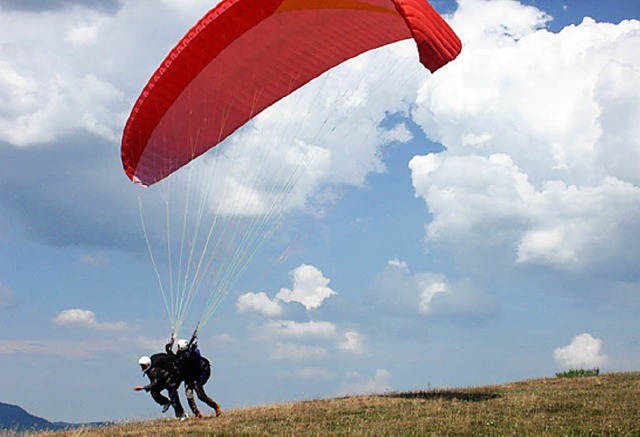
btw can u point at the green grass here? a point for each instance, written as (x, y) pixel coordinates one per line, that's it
(573, 373)
(606, 404)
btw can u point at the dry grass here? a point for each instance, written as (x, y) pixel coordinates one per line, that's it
(608, 404)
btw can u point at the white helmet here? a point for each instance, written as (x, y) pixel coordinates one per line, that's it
(145, 362)
(183, 345)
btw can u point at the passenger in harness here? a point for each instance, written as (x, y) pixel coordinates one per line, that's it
(195, 371)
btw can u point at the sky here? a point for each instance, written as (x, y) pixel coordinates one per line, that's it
(473, 226)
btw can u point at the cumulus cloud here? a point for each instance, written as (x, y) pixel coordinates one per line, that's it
(399, 133)
(83, 34)
(402, 265)
(584, 351)
(352, 342)
(62, 79)
(290, 328)
(309, 287)
(258, 303)
(65, 73)
(540, 142)
(300, 340)
(491, 116)
(429, 294)
(308, 338)
(86, 319)
(38, 111)
(354, 384)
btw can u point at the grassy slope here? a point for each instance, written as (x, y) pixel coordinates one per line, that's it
(608, 404)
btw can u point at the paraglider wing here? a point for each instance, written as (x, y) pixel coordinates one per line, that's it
(245, 55)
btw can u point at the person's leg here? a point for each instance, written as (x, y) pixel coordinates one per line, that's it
(202, 395)
(159, 397)
(188, 388)
(175, 401)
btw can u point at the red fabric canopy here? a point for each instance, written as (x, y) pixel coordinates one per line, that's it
(245, 55)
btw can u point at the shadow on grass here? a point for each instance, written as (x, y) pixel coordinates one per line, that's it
(449, 395)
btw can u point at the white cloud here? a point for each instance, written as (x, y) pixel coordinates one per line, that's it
(312, 334)
(62, 72)
(618, 94)
(481, 108)
(309, 287)
(501, 21)
(584, 351)
(399, 133)
(399, 290)
(471, 196)
(570, 235)
(37, 110)
(290, 328)
(427, 295)
(352, 342)
(296, 340)
(86, 319)
(541, 140)
(258, 303)
(291, 340)
(85, 33)
(402, 265)
(355, 385)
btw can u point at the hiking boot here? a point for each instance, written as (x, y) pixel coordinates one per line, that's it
(218, 410)
(199, 415)
(165, 407)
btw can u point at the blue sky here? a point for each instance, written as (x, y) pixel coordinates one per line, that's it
(486, 231)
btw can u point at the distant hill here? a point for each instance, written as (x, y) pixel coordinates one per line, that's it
(15, 418)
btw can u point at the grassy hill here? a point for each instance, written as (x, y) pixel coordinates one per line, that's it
(607, 404)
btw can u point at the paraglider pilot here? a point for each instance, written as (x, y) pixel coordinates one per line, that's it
(195, 371)
(160, 379)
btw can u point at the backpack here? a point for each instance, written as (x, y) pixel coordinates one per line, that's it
(165, 361)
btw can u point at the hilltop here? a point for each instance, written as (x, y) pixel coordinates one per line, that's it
(594, 405)
(15, 417)
(17, 420)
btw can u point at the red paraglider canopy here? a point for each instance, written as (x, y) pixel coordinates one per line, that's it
(245, 55)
